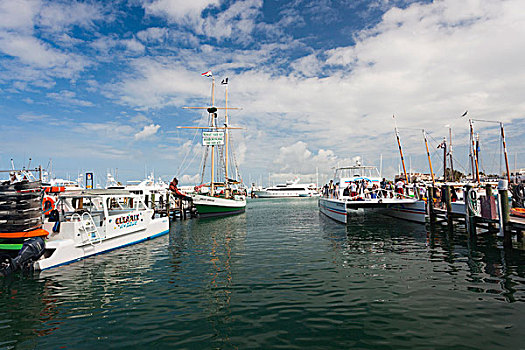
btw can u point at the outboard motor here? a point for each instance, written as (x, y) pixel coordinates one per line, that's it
(31, 251)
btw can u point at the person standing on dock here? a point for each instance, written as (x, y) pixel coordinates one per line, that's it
(179, 196)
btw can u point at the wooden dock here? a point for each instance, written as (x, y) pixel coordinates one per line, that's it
(174, 208)
(491, 216)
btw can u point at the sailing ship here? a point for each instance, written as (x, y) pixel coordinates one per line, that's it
(221, 196)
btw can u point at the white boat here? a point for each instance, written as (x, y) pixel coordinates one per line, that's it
(368, 197)
(289, 189)
(91, 222)
(152, 191)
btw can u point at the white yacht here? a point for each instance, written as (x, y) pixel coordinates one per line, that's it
(290, 189)
(149, 189)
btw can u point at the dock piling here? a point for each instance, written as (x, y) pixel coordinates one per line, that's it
(430, 203)
(448, 202)
(503, 195)
(470, 217)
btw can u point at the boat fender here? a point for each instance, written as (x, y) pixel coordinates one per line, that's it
(32, 249)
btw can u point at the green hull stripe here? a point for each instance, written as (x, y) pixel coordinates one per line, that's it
(11, 246)
(204, 209)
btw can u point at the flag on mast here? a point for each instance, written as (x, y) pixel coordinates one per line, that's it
(207, 74)
(224, 81)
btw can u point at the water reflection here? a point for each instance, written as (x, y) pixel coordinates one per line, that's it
(485, 266)
(28, 308)
(217, 243)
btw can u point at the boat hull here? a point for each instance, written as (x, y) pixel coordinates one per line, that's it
(415, 211)
(214, 206)
(268, 194)
(334, 209)
(67, 250)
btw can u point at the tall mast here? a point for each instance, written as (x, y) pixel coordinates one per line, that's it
(473, 154)
(452, 176)
(444, 144)
(429, 160)
(477, 157)
(212, 185)
(505, 151)
(400, 150)
(226, 137)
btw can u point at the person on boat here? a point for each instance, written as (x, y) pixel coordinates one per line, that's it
(331, 188)
(382, 185)
(353, 189)
(346, 191)
(375, 189)
(400, 187)
(453, 194)
(422, 192)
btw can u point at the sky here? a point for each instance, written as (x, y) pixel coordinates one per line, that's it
(99, 86)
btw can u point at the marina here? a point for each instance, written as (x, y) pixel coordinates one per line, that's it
(258, 174)
(302, 280)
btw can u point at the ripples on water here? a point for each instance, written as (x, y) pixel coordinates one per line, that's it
(279, 276)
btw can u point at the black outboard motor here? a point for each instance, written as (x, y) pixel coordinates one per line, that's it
(31, 251)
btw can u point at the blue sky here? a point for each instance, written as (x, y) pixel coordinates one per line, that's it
(97, 85)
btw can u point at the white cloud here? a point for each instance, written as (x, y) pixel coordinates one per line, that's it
(18, 15)
(179, 11)
(153, 34)
(149, 130)
(189, 179)
(133, 45)
(236, 22)
(58, 16)
(69, 97)
(31, 117)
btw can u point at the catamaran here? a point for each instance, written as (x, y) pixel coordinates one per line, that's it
(358, 191)
(224, 196)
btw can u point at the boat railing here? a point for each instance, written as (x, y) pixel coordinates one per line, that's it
(88, 230)
(378, 193)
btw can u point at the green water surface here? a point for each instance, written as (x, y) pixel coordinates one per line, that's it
(278, 276)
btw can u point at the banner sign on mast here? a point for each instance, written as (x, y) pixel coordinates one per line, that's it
(212, 138)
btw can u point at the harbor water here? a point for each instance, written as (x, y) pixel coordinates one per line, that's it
(278, 276)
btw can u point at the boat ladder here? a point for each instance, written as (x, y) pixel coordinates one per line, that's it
(89, 232)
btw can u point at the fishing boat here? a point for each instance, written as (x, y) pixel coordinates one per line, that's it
(218, 197)
(85, 223)
(288, 189)
(357, 193)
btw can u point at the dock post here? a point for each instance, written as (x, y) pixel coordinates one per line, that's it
(488, 194)
(503, 201)
(430, 203)
(448, 203)
(470, 219)
(168, 197)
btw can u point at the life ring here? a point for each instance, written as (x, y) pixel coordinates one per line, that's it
(48, 205)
